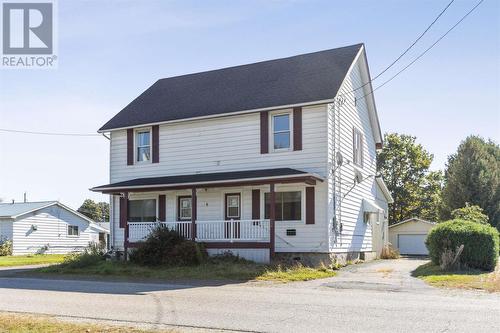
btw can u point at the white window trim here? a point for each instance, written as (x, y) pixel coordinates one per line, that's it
(147, 197)
(362, 137)
(72, 236)
(240, 199)
(271, 130)
(302, 191)
(178, 208)
(136, 131)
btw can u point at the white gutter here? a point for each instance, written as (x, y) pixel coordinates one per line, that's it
(384, 189)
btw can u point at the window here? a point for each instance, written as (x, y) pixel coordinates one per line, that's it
(288, 206)
(73, 230)
(143, 145)
(357, 144)
(184, 208)
(142, 210)
(233, 206)
(281, 131)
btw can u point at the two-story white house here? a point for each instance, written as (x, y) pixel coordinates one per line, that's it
(275, 159)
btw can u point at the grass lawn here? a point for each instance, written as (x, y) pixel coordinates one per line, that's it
(212, 270)
(32, 259)
(25, 323)
(468, 279)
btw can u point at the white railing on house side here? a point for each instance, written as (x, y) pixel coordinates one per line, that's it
(208, 231)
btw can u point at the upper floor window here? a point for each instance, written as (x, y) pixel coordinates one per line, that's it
(142, 210)
(143, 145)
(184, 208)
(288, 206)
(73, 230)
(281, 131)
(357, 144)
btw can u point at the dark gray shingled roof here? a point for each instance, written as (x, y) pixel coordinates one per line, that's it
(299, 79)
(202, 178)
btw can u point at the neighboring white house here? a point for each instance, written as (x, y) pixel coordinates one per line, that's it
(275, 159)
(409, 236)
(47, 227)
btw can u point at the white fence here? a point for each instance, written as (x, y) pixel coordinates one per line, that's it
(207, 231)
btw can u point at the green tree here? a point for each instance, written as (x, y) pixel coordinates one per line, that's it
(470, 213)
(96, 211)
(473, 176)
(404, 165)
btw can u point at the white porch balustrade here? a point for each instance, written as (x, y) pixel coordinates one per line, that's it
(208, 231)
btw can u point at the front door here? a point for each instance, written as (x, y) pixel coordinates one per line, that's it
(232, 212)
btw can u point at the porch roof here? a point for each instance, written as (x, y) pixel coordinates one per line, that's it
(218, 179)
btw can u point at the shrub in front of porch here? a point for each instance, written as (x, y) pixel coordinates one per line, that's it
(166, 247)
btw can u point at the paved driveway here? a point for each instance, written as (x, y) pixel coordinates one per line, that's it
(376, 297)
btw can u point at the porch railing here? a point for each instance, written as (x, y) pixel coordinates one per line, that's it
(208, 231)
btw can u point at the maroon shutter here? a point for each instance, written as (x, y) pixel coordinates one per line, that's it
(130, 146)
(123, 212)
(161, 208)
(156, 144)
(264, 132)
(297, 128)
(309, 205)
(255, 204)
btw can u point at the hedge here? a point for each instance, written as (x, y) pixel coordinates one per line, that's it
(481, 243)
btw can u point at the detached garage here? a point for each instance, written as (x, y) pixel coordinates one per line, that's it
(409, 236)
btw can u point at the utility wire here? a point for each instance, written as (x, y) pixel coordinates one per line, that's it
(370, 81)
(418, 57)
(413, 44)
(48, 133)
(404, 52)
(429, 48)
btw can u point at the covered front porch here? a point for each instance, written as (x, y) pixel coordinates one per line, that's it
(230, 210)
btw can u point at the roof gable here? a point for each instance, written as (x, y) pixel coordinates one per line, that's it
(294, 80)
(413, 219)
(17, 209)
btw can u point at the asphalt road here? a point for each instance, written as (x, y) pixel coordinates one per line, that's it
(375, 297)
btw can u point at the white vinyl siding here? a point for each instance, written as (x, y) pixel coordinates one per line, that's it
(52, 230)
(229, 144)
(222, 144)
(356, 234)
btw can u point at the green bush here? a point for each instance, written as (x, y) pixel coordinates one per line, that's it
(165, 247)
(480, 243)
(470, 213)
(93, 254)
(5, 247)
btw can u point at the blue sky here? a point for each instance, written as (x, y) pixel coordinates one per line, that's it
(110, 51)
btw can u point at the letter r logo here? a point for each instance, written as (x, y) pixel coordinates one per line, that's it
(27, 28)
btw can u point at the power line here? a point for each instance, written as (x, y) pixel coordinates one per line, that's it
(428, 49)
(48, 133)
(417, 58)
(405, 51)
(370, 81)
(415, 42)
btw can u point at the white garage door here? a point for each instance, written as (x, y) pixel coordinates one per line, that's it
(412, 244)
